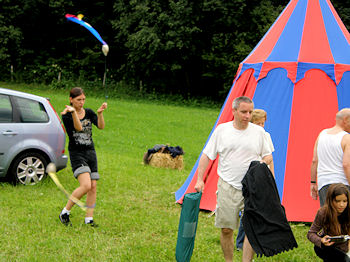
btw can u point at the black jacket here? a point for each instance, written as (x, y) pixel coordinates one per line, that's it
(264, 219)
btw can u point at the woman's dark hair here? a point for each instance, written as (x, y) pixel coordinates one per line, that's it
(333, 224)
(76, 91)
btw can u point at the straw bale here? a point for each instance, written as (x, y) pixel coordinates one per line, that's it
(166, 160)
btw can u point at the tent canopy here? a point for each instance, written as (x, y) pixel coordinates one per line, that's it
(299, 73)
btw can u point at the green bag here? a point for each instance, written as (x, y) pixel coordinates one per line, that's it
(187, 226)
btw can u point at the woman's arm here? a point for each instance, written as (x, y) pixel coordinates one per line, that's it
(314, 232)
(76, 122)
(100, 119)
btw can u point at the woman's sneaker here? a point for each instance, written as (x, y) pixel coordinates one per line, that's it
(92, 223)
(65, 219)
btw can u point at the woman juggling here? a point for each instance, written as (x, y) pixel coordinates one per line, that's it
(78, 122)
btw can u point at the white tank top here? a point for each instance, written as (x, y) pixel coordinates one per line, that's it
(330, 159)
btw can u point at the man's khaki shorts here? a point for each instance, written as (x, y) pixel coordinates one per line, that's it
(230, 202)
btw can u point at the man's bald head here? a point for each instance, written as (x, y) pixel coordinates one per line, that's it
(342, 119)
(342, 114)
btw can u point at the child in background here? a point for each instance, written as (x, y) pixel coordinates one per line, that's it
(259, 118)
(332, 219)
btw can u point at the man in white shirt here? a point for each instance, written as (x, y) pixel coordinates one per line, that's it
(237, 143)
(331, 159)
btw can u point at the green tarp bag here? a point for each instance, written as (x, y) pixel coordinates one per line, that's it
(187, 226)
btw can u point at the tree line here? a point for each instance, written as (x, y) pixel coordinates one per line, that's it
(187, 47)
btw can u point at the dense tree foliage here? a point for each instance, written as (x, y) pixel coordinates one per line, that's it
(175, 46)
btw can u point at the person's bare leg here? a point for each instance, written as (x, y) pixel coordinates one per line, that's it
(91, 199)
(248, 251)
(226, 240)
(85, 186)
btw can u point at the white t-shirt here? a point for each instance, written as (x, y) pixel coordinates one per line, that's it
(330, 159)
(236, 149)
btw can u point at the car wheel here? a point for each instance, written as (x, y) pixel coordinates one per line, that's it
(29, 168)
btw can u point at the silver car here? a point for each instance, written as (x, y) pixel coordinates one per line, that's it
(31, 136)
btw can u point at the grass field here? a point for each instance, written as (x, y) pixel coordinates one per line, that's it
(136, 207)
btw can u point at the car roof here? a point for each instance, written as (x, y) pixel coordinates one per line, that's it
(21, 94)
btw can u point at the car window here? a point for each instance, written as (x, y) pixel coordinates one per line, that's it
(31, 111)
(5, 109)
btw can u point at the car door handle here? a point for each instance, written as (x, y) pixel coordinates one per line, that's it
(9, 133)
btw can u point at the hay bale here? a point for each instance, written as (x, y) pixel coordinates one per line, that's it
(166, 160)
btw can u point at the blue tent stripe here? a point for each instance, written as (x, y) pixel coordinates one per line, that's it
(274, 94)
(343, 91)
(288, 45)
(337, 41)
(256, 67)
(304, 67)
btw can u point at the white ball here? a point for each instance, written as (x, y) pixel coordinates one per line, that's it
(51, 168)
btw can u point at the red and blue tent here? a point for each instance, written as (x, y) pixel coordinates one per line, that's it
(300, 74)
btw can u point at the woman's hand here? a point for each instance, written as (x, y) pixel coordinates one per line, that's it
(102, 108)
(326, 241)
(68, 109)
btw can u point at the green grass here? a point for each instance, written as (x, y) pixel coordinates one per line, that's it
(136, 207)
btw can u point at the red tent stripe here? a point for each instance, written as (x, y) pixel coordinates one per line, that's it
(314, 44)
(291, 68)
(306, 123)
(340, 69)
